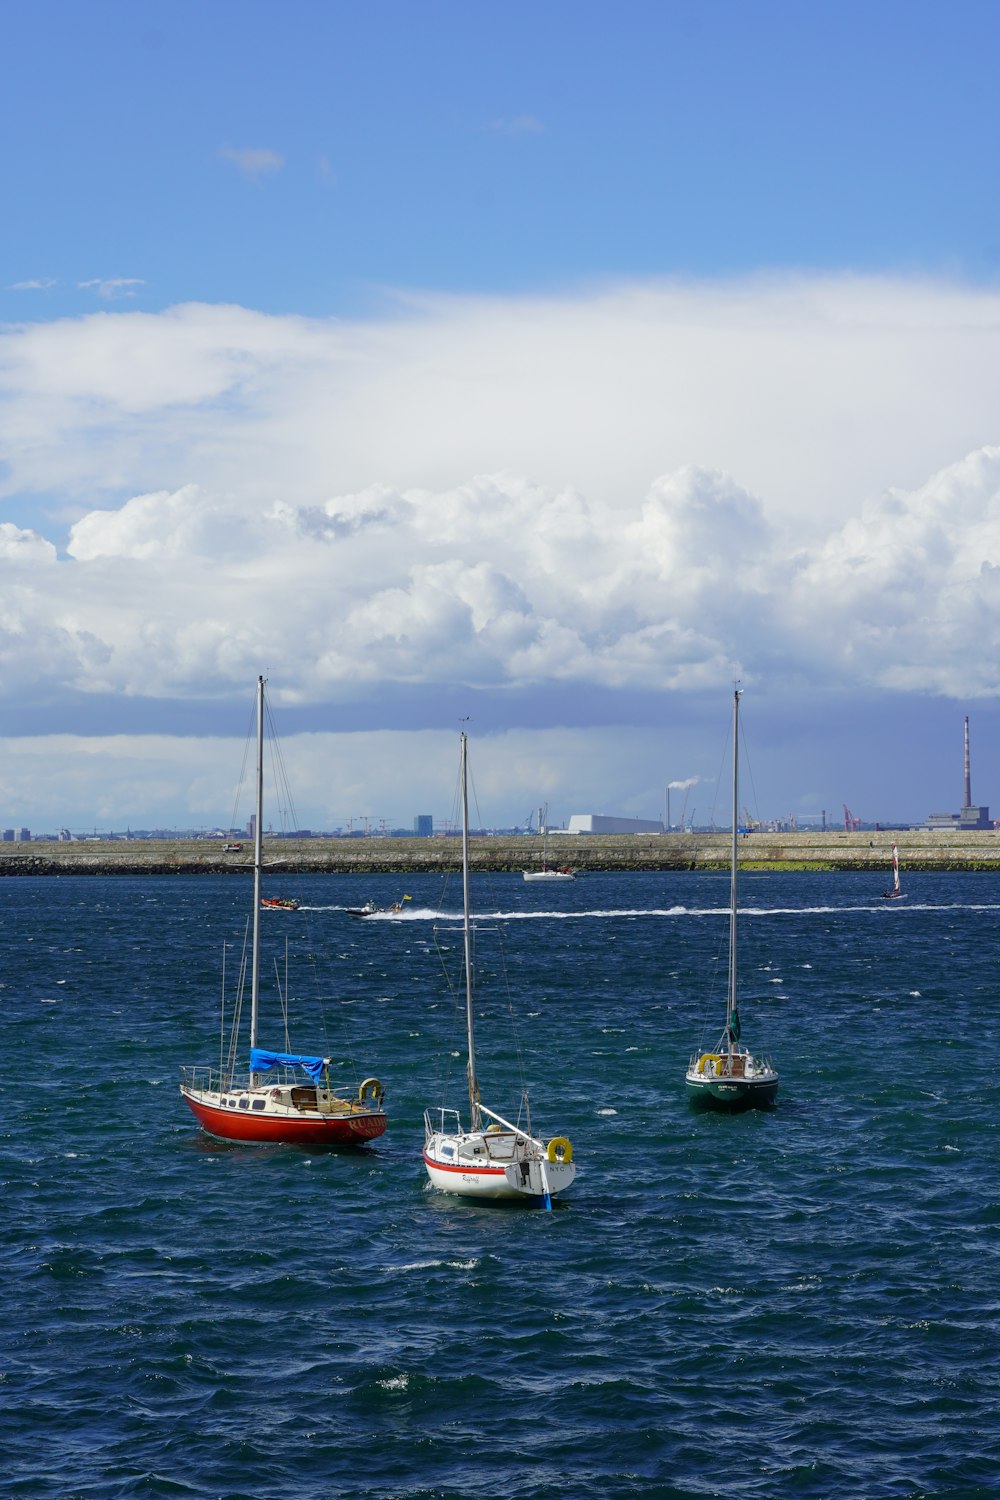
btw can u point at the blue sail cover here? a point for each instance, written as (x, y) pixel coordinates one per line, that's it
(261, 1062)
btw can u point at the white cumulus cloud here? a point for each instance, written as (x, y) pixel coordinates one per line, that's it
(503, 583)
(639, 491)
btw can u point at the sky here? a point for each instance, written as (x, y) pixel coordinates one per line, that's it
(542, 367)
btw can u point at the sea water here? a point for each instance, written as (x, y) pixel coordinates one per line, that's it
(802, 1302)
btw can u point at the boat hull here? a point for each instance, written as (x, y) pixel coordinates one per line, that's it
(270, 1126)
(731, 1095)
(497, 1166)
(494, 1182)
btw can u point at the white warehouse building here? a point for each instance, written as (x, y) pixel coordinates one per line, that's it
(599, 823)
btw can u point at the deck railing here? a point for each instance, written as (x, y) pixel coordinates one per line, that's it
(442, 1122)
(214, 1080)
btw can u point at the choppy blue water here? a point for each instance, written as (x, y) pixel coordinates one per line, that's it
(798, 1303)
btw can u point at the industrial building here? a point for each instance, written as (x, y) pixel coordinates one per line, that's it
(599, 823)
(969, 818)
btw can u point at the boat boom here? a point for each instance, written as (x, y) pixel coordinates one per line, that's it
(506, 1123)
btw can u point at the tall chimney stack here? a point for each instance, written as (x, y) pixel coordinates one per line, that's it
(968, 769)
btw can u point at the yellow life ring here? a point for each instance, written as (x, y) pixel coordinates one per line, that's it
(559, 1150)
(371, 1088)
(708, 1057)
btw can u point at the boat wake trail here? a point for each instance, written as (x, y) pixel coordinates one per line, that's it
(635, 913)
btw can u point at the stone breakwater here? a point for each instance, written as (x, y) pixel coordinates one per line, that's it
(834, 850)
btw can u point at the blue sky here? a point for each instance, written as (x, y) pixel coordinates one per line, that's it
(550, 363)
(489, 148)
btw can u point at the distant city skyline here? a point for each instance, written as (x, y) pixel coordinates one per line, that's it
(545, 368)
(695, 800)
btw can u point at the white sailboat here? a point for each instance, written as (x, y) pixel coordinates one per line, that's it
(547, 871)
(895, 892)
(493, 1158)
(732, 1077)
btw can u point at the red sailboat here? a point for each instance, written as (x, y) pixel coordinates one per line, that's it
(282, 1097)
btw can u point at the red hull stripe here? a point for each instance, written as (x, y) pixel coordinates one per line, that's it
(441, 1166)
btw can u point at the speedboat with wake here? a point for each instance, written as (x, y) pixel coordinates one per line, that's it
(371, 910)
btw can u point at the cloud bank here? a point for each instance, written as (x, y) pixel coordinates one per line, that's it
(814, 394)
(632, 494)
(504, 584)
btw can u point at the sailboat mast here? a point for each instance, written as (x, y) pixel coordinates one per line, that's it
(469, 1028)
(257, 860)
(731, 1014)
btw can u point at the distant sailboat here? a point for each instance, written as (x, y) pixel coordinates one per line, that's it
(495, 1159)
(894, 893)
(282, 1097)
(732, 1078)
(547, 871)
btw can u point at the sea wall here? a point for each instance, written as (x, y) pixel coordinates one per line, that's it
(834, 850)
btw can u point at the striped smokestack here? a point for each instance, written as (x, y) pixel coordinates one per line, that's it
(968, 767)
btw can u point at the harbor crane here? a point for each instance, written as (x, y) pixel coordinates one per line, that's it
(851, 823)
